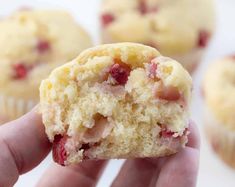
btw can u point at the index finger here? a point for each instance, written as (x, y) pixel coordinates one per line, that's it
(23, 145)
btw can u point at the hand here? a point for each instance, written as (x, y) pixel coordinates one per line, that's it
(23, 145)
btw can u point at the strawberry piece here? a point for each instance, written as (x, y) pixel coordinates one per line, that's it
(165, 133)
(43, 46)
(97, 132)
(107, 19)
(58, 150)
(20, 71)
(203, 38)
(152, 70)
(168, 93)
(120, 72)
(143, 9)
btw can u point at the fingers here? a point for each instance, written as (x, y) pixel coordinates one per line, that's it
(23, 144)
(164, 171)
(194, 137)
(85, 174)
(136, 172)
(180, 170)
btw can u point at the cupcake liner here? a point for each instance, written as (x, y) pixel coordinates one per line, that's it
(12, 108)
(221, 138)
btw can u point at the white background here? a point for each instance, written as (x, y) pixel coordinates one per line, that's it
(213, 173)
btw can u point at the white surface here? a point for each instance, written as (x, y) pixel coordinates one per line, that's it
(213, 173)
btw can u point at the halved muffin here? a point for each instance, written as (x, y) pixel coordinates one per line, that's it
(116, 101)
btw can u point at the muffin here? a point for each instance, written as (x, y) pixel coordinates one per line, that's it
(180, 29)
(32, 43)
(116, 101)
(219, 92)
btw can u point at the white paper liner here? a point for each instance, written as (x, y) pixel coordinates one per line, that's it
(12, 108)
(220, 137)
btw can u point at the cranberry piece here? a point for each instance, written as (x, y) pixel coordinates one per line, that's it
(58, 150)
(165, 133)
(203, 38)
(107, 19)
(169, 93)
(20, 71)
(43, 46)
(152, 70)
(120, 72)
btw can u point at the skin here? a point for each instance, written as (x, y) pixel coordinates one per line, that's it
(24, 144)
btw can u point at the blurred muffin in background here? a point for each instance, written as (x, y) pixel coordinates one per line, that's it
(32, 43)
(219, 96)
(180, 29)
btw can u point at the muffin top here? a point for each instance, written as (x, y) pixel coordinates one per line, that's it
(32, 43)
(173, 27)
(219, 91)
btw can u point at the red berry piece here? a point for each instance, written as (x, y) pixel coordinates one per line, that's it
(152, 70)
(58, 150)
(203, 38)
(120, 72)
(43, 46)
(143, 9)
(165, 133)
(107, 19)
(20, 71)
(169, 93)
